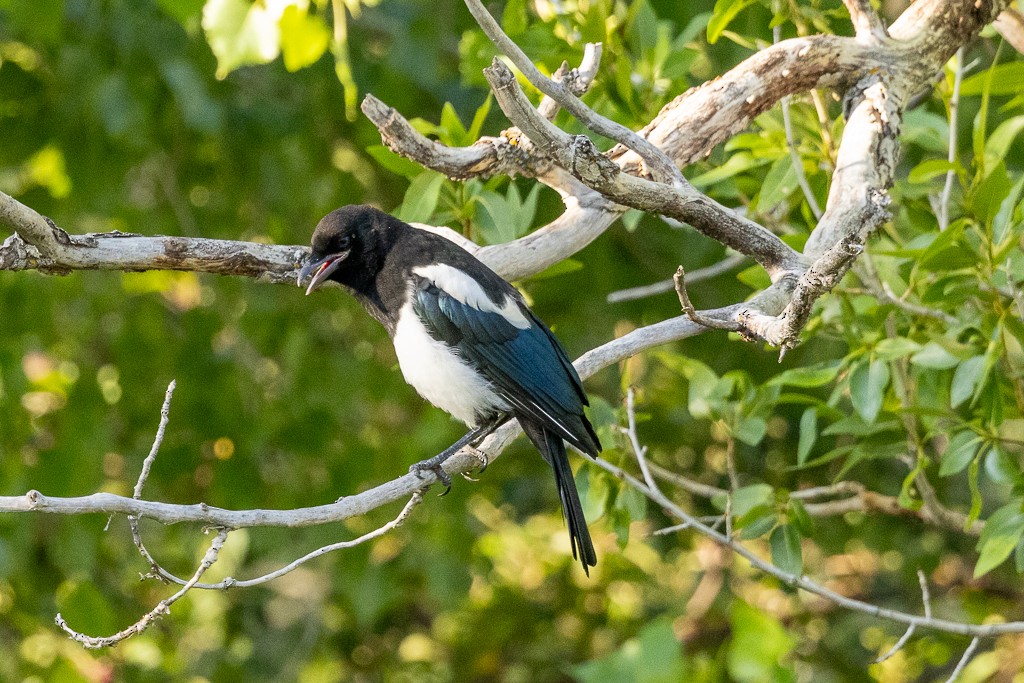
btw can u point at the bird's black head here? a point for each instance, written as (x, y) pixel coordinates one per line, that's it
(349, 246)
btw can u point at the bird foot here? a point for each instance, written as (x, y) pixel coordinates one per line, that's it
(479, 455)
(435, 467)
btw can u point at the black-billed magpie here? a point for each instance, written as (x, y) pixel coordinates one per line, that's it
(465, 340)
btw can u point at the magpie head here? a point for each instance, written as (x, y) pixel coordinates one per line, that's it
(348, 246)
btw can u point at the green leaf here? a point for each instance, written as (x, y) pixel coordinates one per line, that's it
(451, 124)
(594, 492)
(724, 12)
(935, 357)
(654, 656)
(868, 383)
(1001, 467)
(998, 144)
(778, 184)
(926, 170)
(515, 18)
(799, 515)
(896, 347)
(304, 38)
(747, 498)
(906, 498)
(421, 198)
(807, 378)
(751, 430)
(962, 449)
(759, 643)
(393, 162)
(1002, 532)
(754, 277)
(1002, 79)
(240, 33)
(988, 195)
(786, 552)
(972, 482)
(759, 526)
(478, 120)
(737, 163)
(966, 379)
(808, 434)
(343, 63)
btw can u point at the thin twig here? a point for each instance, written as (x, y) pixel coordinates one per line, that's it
(416, 499)
(954, 107)
(699, 318)
(794, 155)
(157, 440)
(968, 653)
(162, 608)
(926, 599)
(802, 582)
(926, 596)
(634, 440)
(899, 644)
(706, 273)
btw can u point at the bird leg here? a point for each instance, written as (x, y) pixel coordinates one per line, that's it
(471, 438)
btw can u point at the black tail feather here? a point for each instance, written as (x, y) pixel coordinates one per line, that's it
(552, 448)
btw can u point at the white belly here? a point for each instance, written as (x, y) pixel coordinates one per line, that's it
(439, 374)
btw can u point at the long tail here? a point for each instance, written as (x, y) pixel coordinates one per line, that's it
(552, 448)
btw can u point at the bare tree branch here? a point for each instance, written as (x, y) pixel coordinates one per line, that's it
(661, 166)
(578, 155)
(968, 653)
(802, 582)
(699, 275)
(1010, 25)
(866, 22)
(162, 608)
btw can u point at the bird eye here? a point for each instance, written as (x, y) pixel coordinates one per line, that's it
(344, 242)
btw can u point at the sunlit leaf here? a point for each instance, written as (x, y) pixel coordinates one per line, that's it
(724, 12)
(240, 33)
(304, 38)
(421, 197)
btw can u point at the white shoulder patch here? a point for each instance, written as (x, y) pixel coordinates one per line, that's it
(466, 290)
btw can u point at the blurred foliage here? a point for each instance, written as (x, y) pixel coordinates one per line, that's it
(237, 120)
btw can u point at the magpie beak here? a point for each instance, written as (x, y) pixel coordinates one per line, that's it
(321, 269)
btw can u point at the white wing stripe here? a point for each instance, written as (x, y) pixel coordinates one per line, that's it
(464, 289)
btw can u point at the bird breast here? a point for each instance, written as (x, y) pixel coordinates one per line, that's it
(440, 375)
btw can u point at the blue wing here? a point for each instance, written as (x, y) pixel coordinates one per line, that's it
(528, 367)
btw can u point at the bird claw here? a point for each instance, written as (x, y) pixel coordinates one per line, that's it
(479, 455)
(419, 468)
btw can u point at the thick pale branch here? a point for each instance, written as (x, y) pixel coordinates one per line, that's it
(40, 244)
(486, 157)
(578, 155)
(690, 126)
(577, 80)
(866, 22)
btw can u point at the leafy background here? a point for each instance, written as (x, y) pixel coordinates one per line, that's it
(236, 120)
